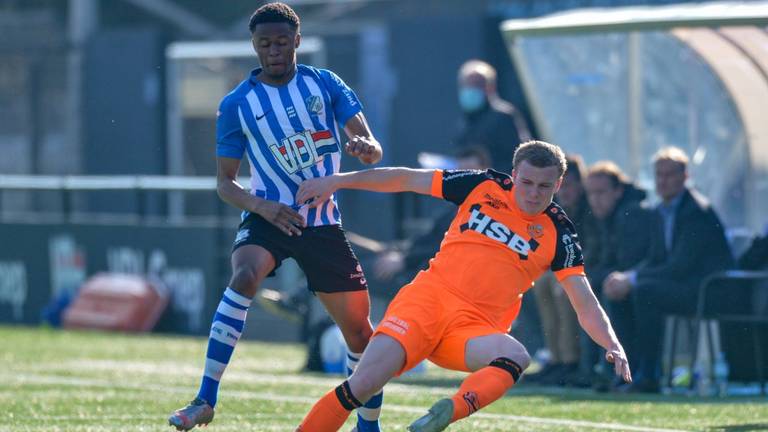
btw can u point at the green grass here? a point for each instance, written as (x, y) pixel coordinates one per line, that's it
(95, 382)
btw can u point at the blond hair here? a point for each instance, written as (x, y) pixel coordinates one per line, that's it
(540, 154)
(672, 154)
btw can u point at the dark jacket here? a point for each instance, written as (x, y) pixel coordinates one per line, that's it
(499, 128)
(756, 256)
(699, 246)
(622, 236)
(586, 227)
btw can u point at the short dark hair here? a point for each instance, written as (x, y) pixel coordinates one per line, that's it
(274, 13)
(541, 155)
(575, 167)
(475, 151)
(609, 170)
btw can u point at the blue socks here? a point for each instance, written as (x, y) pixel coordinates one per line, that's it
(226, 329)
(368, 414)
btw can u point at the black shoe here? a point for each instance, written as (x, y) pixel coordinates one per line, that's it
(560, 377)
(636, 387)
(549, 369)
(579, 379)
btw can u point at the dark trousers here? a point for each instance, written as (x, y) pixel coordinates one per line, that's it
(622, 315)
(652, 300)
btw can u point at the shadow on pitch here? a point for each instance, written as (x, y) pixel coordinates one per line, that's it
(741, 428)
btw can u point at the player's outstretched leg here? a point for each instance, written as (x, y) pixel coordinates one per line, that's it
(383, 358)
(350, 311)
(490, 381)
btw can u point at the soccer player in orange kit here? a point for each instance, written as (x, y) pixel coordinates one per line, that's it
(457, 313)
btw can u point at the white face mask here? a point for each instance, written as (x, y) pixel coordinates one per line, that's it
(471, 99)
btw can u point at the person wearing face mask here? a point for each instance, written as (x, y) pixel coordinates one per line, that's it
(488, 121)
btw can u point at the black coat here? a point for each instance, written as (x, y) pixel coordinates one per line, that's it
(499, 128)
(699, 246)
(623, 240)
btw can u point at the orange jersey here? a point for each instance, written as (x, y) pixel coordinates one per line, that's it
(492, 252)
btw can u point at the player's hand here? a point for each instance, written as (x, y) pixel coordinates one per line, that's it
(282, 216)
(362, 148)
(617, 356)
(315, 191)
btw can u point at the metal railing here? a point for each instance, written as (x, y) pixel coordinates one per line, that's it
(170, 204)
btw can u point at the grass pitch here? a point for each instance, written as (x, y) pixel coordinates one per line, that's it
(97, 382)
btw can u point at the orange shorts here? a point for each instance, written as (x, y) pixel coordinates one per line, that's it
(432, 323)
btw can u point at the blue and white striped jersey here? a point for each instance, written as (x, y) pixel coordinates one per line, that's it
(290, 133)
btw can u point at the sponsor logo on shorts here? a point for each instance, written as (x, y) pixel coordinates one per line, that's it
(396, 324)
(242, 235)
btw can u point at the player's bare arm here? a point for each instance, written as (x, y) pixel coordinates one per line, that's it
(278, 214)
(318, 190)
(595, 322)
(362, 144)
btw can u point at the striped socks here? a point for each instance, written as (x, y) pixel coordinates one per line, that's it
(368, 414)
(226, 329)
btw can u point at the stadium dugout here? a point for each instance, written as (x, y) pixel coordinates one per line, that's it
(562, 64)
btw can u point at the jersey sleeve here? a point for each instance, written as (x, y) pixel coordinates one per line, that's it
(456, 185)
(230, 139)
(344, 101)
(568, 259)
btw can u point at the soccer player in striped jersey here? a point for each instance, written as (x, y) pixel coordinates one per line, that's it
(284, 119)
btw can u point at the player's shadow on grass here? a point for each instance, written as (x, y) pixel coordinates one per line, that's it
(741, 428)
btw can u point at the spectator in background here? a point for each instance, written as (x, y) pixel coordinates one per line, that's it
(687, 243)
(558, 319)
(489, 121)
(622, 224)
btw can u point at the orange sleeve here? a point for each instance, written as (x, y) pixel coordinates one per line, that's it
(570, 271)
(437, 184)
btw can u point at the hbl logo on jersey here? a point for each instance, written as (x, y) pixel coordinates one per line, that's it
(303, 150)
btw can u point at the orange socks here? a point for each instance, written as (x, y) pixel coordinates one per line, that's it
(484, 386)
(331, 411)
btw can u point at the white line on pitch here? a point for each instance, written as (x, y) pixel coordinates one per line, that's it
(58, 380)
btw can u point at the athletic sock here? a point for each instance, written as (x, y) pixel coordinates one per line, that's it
(227, 326)
(484, 386)
(331, 411)
(368, 414)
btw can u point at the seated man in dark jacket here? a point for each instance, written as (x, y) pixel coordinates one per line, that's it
(687, 243)
(622, 232)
